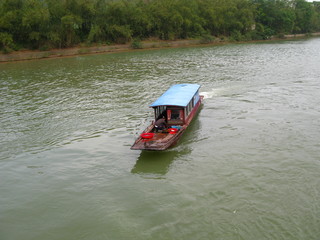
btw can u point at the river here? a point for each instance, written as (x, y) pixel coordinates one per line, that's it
(248, 168)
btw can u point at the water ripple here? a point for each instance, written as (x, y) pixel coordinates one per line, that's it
(248, 168)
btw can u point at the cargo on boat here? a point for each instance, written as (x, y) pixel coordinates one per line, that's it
(173, 112)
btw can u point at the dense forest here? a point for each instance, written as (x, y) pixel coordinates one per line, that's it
(45, 24)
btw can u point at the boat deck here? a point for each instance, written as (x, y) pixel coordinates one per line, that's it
(158, 142)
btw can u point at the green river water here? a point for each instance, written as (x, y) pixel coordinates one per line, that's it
(248, 168)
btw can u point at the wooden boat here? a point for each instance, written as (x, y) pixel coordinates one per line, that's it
(177, 106)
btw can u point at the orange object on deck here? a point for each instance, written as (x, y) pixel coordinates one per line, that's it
(147, 135)
(173, 130)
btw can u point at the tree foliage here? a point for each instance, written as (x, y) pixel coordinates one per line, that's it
(38, 24)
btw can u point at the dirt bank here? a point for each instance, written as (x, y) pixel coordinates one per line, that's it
(54, 53)
(66, 52)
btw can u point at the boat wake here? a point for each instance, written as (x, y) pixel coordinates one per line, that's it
(209, 94)
(216, 92)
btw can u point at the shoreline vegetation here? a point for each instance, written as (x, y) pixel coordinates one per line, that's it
(25, 55)
(33, 29)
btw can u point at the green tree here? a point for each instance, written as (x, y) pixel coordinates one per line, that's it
(55, 33)
(275, 15)
(6, 42)
(316, 17)
(303, 14)
(192, 24)
(119, 34)
(35, 20)
(166, 19)
(139, 20)
(64, 23)
(10, 20)
(70, 26)
(87, 11)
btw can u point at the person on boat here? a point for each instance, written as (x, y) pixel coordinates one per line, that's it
(160, 124)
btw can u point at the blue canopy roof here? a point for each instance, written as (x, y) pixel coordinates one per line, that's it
(177, 95)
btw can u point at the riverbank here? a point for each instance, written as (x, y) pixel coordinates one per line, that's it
(98, 49)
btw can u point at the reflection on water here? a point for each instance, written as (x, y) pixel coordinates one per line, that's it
(151, 162)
